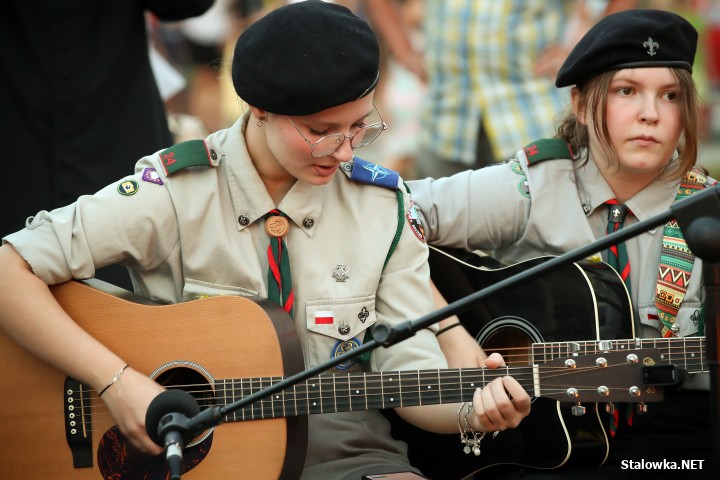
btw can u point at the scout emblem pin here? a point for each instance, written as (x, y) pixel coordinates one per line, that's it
(344, 328)
(341, 273)
(277, 226)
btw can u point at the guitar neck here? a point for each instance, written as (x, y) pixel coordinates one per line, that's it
(364, 391)
(685, 352)
(577, 378)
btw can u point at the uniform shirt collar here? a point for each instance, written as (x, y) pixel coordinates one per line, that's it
(302, 204)
(594, 191)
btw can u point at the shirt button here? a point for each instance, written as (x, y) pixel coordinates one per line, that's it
(243, 220)
(308, 223)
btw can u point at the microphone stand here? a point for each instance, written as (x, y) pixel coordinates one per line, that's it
(699, 221)
(705, 203)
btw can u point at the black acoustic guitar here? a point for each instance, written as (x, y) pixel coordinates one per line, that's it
(582, 301)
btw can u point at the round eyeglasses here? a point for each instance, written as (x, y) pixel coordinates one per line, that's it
(329, 144)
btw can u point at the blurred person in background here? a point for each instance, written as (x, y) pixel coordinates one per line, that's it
(490, 67)
(79, 99)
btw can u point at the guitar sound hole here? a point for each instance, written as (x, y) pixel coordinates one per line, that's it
(190, 380)
(511, 343)
(119, 460)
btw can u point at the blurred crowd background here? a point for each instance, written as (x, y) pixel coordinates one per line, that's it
(192, 60)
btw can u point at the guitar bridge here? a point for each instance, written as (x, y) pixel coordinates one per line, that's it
(78, 431)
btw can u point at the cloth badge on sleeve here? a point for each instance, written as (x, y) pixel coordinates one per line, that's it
(373, 174)
(414, 221)
(324, 317)
(344, 346)
(128, 187)
(150, 175)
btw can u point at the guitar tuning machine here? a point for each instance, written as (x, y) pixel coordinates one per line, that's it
(578, 410)
(641, 408)
(610, 408)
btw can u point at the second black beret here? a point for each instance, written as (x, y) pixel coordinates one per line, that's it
(631, 39)
(305, 57)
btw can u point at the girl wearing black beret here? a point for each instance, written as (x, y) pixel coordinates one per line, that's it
(625, 152)
(276, 206)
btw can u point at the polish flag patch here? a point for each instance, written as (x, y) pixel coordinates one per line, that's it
(324, 318)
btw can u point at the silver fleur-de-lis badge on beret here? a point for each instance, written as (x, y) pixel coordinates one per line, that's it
(652, 46)
(341, 273)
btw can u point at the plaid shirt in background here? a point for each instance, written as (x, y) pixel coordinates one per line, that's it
(479, 55)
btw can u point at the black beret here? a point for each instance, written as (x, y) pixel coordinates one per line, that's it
(631, 39)
(305, 57)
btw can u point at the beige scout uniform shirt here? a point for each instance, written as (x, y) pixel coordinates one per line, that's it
(487, 210)
(183, 239)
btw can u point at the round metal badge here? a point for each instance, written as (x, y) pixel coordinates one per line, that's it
(277, 226)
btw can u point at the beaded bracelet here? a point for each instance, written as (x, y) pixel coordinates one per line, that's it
(471, 444)
(113, 381)
(445, 329)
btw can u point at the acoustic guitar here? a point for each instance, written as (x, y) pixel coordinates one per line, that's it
(221, 349)
(582, 308)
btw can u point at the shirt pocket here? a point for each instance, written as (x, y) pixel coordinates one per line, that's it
(341, 318)
(195, 289)
(686, 320)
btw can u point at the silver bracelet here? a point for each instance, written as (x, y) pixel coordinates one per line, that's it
(113, 381)
(471, 444)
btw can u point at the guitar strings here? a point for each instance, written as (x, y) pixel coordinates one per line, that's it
(374, 388)
(691, 358)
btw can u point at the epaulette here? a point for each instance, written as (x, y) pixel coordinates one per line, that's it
(547, 149)
(359, 170)
(192, 153)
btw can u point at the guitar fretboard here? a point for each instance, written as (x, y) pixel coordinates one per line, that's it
(362, 391)
(685, 352)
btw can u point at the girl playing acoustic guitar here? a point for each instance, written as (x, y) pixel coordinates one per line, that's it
(625, 153)
(275, 206)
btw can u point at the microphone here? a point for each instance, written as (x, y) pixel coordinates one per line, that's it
(166, 422)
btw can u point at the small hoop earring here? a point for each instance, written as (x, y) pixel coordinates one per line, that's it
(259, 123)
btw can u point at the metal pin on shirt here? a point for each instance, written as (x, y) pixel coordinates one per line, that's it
(341, 273)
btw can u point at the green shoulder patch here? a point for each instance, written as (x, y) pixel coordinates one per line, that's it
(547, 149)
(192, 153)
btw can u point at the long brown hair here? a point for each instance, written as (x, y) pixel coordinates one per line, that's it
(593, 99)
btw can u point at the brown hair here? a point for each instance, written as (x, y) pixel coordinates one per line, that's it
(593, 98)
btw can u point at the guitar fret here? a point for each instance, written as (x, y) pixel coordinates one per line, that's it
(343, 393)
(301, 398)
(357, 392)
(289, 402)
(266, 409)
(452, 390)
(409, 388)
(313, 396)
(429, 387)
(684, 352)
(327, 393)
(390, 382)
(237, 392)
(701, 349)
(245, 389)
(277, 402)
(374, 391)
